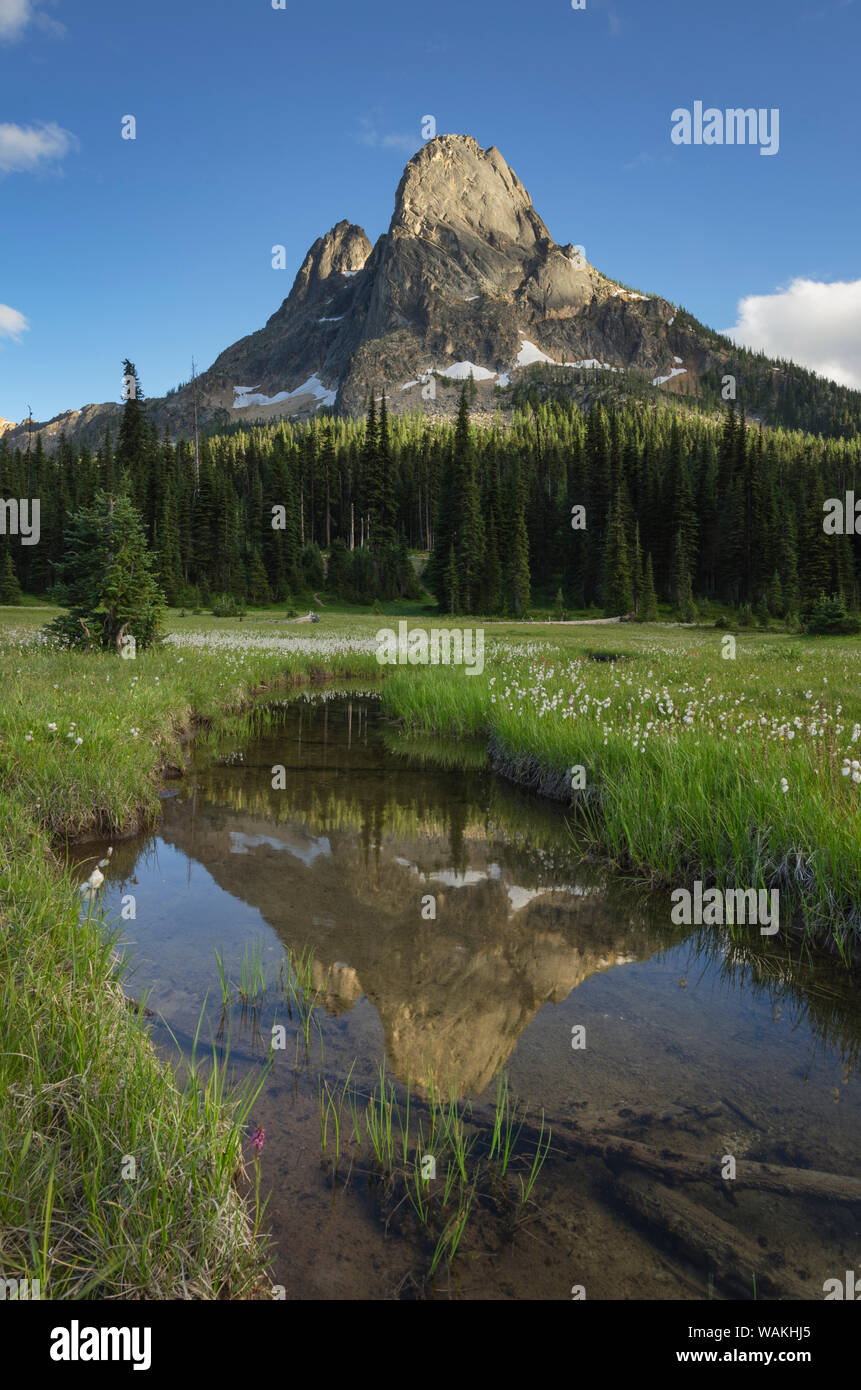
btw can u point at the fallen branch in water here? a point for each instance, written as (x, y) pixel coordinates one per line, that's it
(677, 1167)
(735, 1262)
(672, 1166)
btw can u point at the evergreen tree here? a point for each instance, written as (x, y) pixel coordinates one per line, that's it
(106, 578)
(386, 530)
(491, 580)
(519, 589)
(369, 489)
(619, 592)
(133, 438)
(776, 605)
(649, 610)
(259, 594)
(337, 571)
(450, 584)
(10, 589)
(637, 577)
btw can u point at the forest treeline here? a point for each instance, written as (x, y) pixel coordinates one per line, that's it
(617, 508)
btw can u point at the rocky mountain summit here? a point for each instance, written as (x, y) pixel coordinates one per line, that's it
(467, 279)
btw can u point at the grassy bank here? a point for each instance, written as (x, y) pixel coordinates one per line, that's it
(118, 1179)
(741, 772)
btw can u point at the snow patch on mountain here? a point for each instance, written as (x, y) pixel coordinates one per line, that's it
(592, 364)
(529, 353)
(460, 371)
(244, 396)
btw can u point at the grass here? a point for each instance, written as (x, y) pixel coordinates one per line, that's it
(117, 1178)
(428, 1157)
(730, 771)
(84, 1098)
(332, 1108)
(742, 773)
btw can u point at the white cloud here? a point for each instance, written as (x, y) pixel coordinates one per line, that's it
(370, 135)
(23, 148)
(12, 323)
(818, 325)
(16, 15)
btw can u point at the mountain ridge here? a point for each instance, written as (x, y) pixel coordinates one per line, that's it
(467, 277)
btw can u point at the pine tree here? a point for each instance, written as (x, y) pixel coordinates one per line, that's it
(761, 610)
(370, 477)
(386, 533)
(133, 438)
(680, 575)
(619, 594)
(10, 589)
(687, 606)
(637, 578)
(650, 601)
(450, 583)
(680, 514)
(106, 578)
(259, 594)
(167, 543)
(776, 605)
(518, 558)
(491, 580)
(470, 546)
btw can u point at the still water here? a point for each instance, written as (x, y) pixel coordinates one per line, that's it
(459, 934)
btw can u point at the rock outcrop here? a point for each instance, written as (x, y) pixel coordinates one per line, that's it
(467, 279)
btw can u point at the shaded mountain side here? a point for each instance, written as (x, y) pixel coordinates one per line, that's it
(467, 278)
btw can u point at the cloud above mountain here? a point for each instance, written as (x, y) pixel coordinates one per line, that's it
(371, 134)
(816, 324)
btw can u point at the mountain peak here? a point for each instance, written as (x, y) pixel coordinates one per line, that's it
(342, 251)
(467, 279)
(452, 182)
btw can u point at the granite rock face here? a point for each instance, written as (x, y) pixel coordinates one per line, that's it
(467, 276)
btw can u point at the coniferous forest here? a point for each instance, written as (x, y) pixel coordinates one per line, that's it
(616, 509)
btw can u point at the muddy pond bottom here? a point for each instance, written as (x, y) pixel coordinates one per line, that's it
(324, 898)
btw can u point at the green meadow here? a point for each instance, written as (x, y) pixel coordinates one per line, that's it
(680, 758)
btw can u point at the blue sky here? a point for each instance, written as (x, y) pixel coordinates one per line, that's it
(258, 126)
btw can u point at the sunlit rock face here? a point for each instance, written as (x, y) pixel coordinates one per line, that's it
(453, 992)
(466, 278)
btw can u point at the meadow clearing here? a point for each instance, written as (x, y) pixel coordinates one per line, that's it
(742, 771)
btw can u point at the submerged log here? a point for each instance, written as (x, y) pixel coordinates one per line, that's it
(672, 1166)
(681, 1168)
(738, 1265)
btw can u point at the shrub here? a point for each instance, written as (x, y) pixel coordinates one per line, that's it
(226, 606)
(830, 618)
